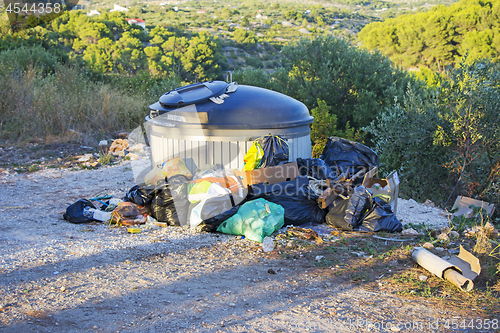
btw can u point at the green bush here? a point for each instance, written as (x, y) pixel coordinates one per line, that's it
(405, 136)
(25, 57)
(446, 143)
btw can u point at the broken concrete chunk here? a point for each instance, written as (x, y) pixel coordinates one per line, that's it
(410, 232)
(428, 246)
(85, 158)
(443, 237)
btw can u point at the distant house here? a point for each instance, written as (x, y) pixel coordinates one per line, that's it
(137, 21)
(201, 11)
(118, 8)
(93, 12)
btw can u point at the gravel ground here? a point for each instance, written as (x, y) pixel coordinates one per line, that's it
(61, 277)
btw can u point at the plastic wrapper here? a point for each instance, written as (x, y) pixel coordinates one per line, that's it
(380, 218)
(215, 211)
(129, 213)
(170, 203)
(348, 156)
(255, 220)
(216, 201)
(316, 168)
(199, 189)
(276, 150)
(174, 167)
(336, 216)
(141, 195)
(75, 212)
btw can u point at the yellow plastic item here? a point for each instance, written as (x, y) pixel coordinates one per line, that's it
(253, 157)
(134, 230)
(154, 176)
(175, 166)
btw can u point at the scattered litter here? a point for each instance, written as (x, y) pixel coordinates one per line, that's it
(303, 233)
(463, 206)
(79, 212)
(267, 244)
(86, 158)
(128, 213)
(394, 239)
(118, 145)
(459, 270)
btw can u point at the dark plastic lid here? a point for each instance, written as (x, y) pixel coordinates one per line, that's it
(192, 94)
(248, 107)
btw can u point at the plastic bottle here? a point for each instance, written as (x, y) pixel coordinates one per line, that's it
(267, 244)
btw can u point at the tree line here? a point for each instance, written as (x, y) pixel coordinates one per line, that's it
(440, 36)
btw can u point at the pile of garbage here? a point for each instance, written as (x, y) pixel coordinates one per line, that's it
(339, 189)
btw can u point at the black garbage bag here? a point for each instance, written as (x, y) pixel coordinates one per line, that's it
(315, 167)
(170, 203)
(336, 216)
(141, 195)
(299, 203)
(257, 190)
(380, 218)
(359, 204)
(348, 156)
(75, 213)
(276, 150)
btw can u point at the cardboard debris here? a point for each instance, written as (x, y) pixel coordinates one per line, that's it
(463, 204)
(459, 270)
(269, 175)
(388, 186)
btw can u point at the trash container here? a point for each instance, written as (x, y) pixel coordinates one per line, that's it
(215, 122)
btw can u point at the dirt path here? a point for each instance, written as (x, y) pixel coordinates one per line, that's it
(61, 277)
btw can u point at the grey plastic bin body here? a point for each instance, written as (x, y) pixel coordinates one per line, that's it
(186, 123)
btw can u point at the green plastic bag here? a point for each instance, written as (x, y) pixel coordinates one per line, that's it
(255, 220)
(253, 157)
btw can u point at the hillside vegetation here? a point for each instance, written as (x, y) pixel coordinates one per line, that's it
(440, 36)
